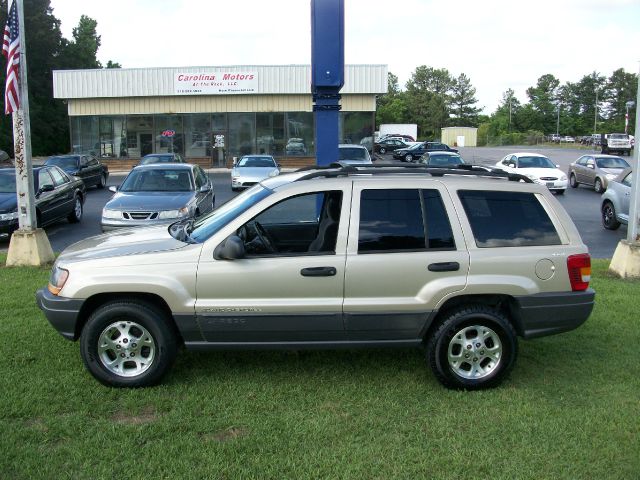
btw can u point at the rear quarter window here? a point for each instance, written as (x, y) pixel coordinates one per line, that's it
(508, 219)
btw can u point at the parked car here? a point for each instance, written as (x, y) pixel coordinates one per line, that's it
(568, 139)
(414, 152)
(350, 154)
(406, 138)
(595, 171)
(441, 159)
(554, 137)
(57, 196)
(295, 146)
(161, 158)
(159, 194)
(389, 145)
(617, 142)
(86, 167)
(536, 167)
(342, 257)
(615, 201)
(252, 169)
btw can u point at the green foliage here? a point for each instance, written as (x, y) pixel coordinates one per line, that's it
(47, 51)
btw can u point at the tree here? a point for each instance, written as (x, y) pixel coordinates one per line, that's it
(44, 47)
(622, 87)
(82, 51)
(463, 99)
(111, 64)
(543, 99)
(392, 106)
(429, 100)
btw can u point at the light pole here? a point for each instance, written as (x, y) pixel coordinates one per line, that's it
(558, 122)
(629, 104)
(595, 117)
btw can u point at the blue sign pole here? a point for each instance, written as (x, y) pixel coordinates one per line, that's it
(327, 75)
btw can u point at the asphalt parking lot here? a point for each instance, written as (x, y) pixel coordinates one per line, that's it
(582, 203)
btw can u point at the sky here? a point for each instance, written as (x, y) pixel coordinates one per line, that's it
(498, 44)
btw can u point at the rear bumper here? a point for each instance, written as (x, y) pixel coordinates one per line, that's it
(61, 312)
(550, 313)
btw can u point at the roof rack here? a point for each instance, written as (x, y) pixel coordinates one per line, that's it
(338, 170)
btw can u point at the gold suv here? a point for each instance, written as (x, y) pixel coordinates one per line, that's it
(459, 261)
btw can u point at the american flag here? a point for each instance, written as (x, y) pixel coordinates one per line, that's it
(11, 50)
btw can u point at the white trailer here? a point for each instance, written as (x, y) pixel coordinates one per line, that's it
(410, 129)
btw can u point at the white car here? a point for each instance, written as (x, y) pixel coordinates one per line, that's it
(252, 169)
(350, 154)
(538, 168)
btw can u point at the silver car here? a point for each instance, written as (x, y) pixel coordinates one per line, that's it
(595, 171)
(615, 201)
(350, 154)
(252, 169)
(158, 193)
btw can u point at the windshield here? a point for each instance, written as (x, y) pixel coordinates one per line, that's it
(535, 162)
(416, 146)
(348, 153)
(214, 221)
(256, 162)
(8, 181)
(63, 162)
(157, 159)
(157, 180)
(611, 162)
(442, 160)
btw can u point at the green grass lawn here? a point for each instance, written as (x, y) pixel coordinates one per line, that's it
(571, 408)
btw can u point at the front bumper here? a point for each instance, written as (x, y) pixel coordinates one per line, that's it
(61, 312)
(109, 225)
(8, 226)
(550, 313)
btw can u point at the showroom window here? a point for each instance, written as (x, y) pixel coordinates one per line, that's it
(165, 142)
(270, 137)
(300, 134)
(242, 134)
(197, 132)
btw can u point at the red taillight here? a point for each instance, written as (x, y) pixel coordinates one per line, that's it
(579, 267)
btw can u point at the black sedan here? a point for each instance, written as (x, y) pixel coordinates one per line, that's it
(57, 196)
(441, 159)
(414, 152)
(86, 167)
(389, 145)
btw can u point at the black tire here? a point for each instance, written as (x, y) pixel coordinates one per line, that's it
(453, 331)
(572, 181)
(597, 185)
(609, 220)
(102, 182)
(383, 150)
(76, 214)
(140, 319)
(408, 158)
(559, 192)
(234, 189)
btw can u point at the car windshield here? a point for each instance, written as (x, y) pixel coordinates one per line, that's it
(416, 146)
(8, 181)
(157, 180)
(348, 153)
(535, 162)
(256, 162)
(442, 160)
(63, 162)
(214, 221)
(157, 159)
(619, 136)
(611, 162)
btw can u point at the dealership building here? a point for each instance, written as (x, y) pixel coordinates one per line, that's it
(210, 114)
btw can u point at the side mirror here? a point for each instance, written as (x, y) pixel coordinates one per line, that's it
(205, 188)
(46, 188)
(230, 249)
(557, 166)
(591, 165)
(113, 189)
(512, 165)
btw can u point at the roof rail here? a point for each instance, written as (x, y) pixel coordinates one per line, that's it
(338, 170)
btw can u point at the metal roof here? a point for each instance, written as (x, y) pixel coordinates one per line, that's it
(159, 82)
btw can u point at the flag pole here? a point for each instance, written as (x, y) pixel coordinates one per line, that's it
(29, 245)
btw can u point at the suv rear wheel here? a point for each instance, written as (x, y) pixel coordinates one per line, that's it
(474, 347)
(128, 343)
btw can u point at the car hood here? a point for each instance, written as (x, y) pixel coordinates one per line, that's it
(8, 202)
(149, 200)
(129, 241)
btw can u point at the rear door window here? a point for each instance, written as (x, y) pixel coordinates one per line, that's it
(508, 219)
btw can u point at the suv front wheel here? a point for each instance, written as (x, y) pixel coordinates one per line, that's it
(474, 347)
(128, 343)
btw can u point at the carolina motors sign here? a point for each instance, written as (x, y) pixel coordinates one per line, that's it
(215, 83)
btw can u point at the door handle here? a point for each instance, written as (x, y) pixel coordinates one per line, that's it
(444, 267)
(318, 272)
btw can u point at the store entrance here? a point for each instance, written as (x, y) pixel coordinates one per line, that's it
(146, 144)
(218, 152)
